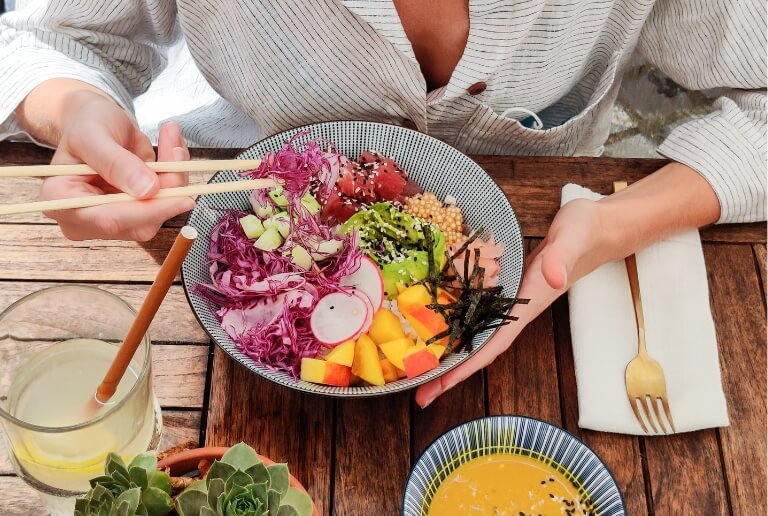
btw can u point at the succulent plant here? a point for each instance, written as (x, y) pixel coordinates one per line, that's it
(128, 490)
(241, 485)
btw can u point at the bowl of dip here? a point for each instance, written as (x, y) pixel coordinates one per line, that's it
(510, 465)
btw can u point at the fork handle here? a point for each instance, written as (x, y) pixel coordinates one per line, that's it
(634, 288)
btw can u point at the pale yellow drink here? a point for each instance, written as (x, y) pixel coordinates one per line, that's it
(56, 344)
(53, 389)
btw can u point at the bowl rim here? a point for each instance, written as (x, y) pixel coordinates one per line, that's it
(507, 417)
(348, 394)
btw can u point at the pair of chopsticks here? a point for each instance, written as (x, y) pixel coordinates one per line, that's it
(157, 166)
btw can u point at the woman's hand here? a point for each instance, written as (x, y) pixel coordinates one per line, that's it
(105, 137)
(577, 242)
(586, 234)
(87, 126)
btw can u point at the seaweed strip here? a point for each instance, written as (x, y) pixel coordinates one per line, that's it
(477, 308)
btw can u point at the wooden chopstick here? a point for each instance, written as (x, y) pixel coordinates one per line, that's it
(97, 200)
(158, 166)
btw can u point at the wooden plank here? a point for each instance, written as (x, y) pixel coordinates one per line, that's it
(621, 453)
(523, 380)
(733, 283)
(179, 374)
(15, 153)
(21, 189)
(671, 459)
(179, 427)
(174, 323)
(760, 257)
(739, 312)
(40, 252)
(18, 499)
(372, 455)
(532, 184)
(464, 402)
(279, 423)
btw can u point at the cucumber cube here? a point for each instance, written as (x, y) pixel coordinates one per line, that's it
(252, 226)
(300, 257)
(280, 222)
(264, 212)
(269, 240)
(326, 249)
(310, 203)
(278, 198)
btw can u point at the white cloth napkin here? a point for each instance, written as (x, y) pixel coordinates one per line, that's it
(680, 335)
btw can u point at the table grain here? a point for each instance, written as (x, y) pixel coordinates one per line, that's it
(354, 456)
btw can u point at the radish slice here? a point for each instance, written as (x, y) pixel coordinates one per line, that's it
(371, 312)
(338, 317)
(367, 279)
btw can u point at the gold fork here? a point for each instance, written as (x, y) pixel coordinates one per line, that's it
(644, 376)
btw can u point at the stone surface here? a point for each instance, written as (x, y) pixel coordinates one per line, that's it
(649, 106)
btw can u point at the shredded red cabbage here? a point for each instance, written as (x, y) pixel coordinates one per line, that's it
(297, 167)
(266, 300)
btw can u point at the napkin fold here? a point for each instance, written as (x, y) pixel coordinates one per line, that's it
(680, 335)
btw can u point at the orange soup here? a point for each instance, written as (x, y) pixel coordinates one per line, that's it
(507, 485)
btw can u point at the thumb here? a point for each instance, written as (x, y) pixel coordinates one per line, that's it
(555, 266)
(121, 167)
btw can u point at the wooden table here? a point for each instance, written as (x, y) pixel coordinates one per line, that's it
(354, 456)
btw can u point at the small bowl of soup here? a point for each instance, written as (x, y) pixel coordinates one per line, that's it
(510, 466)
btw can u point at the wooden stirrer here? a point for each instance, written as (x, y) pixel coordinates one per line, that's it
(157, 293)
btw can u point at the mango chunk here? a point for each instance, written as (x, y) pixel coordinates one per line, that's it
(328, 373)
(366, 363)
(437, 349)
(389, 370)
(386, 326)
(412, 304)
(394, 351)
(419, 361)
(342, 354)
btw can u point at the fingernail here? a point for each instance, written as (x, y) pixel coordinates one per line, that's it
(141, 184)
(179, 154)
(427, 402)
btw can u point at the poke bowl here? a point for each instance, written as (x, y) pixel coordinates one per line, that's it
(381, 259)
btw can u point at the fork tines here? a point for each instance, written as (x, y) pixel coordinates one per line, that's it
(645, 408)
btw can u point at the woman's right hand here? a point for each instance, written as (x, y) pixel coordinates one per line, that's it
(98, 132)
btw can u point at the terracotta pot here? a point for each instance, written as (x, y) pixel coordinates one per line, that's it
(184, 462)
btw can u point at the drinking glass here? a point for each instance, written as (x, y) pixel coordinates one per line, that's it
(56, 344)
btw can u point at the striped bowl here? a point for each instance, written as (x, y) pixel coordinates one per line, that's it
(513, 435)
(434, 165)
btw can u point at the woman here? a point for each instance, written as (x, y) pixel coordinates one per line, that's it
(488, 76)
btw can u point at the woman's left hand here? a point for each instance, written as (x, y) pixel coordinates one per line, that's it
(576, 244)
(583, 236)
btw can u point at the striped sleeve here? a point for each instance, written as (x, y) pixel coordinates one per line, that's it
(111, 44)
(703, 44)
